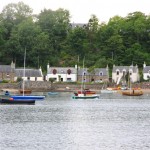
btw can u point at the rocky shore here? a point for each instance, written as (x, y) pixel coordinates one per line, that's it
(64, 87)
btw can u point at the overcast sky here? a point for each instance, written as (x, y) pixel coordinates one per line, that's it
(81, 10)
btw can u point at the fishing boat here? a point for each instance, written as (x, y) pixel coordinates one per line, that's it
(84, 93)
(22, 99)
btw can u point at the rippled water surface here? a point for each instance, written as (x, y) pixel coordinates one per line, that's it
(112, 122)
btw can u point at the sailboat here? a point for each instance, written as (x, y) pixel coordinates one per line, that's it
(22, 99)
(84, 93)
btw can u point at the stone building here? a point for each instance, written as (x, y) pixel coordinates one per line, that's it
(7, 72)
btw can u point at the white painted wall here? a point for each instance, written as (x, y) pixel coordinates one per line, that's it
(64, 76)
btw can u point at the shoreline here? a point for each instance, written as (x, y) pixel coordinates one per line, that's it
(145, 91)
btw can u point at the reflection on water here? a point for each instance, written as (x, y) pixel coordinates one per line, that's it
(112, 122)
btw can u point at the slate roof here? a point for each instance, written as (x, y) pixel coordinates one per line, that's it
(28, 73)
(6, 68)
(61, 70)
(99, 70)
(127, 68)
(81, 71)
(146, 69)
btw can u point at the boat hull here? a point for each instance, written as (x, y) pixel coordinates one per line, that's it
(85, 97)
(52, 93)
(128, 93)
(10, 101)
(27, 97)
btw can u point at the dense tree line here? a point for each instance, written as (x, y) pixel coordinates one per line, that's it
(50, 37)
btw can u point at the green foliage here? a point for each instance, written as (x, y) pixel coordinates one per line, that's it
(19, 79)
(49, 38)
(51, 80)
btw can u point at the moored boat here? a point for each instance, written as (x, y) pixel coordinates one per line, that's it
(132, 93)
(83, 96)
(52, 93)
(19, 99)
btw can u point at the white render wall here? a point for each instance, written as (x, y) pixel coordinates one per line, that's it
(64, 76)
(145, 76)
(134, 77)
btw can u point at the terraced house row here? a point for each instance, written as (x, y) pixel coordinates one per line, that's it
(74, 74)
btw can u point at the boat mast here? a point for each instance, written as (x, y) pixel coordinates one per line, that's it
(82, 77)
(24, 70)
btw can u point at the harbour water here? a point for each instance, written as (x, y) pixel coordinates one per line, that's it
(113, 122)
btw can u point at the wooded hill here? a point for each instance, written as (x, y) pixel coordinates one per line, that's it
(49, 37)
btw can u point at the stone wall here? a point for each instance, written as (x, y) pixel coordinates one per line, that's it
(47, 86)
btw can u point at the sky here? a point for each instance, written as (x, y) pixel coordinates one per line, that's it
(81, 10)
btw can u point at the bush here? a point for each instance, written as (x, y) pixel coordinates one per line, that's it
(19, 79)
(5, 81)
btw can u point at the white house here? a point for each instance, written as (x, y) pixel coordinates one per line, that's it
(30, 74)
(119, 73)
(146, 72)
(63, 74)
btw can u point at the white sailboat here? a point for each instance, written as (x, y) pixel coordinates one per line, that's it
(84, 93)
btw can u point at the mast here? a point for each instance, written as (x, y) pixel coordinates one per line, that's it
(24, 70)
(82, 77)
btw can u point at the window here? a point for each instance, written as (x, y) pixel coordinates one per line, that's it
(117, 72)
(28, 78)
(101, 74)
(69, 79)
(35, 78)
(84, 73)
(69, 71)
(7, 74)
(54, 71)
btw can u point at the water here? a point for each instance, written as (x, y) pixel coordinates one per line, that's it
(112, 122)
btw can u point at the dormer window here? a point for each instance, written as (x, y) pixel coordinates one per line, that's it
(84, 73)
(117, 72)
(69, 71)
(101, 73)
(54, 71)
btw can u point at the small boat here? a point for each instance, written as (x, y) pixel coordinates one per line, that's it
(107, 91)
(19, 99)
(132, 93)
(12, 101)
(52, 93)
(83, 96)
(26, 91)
